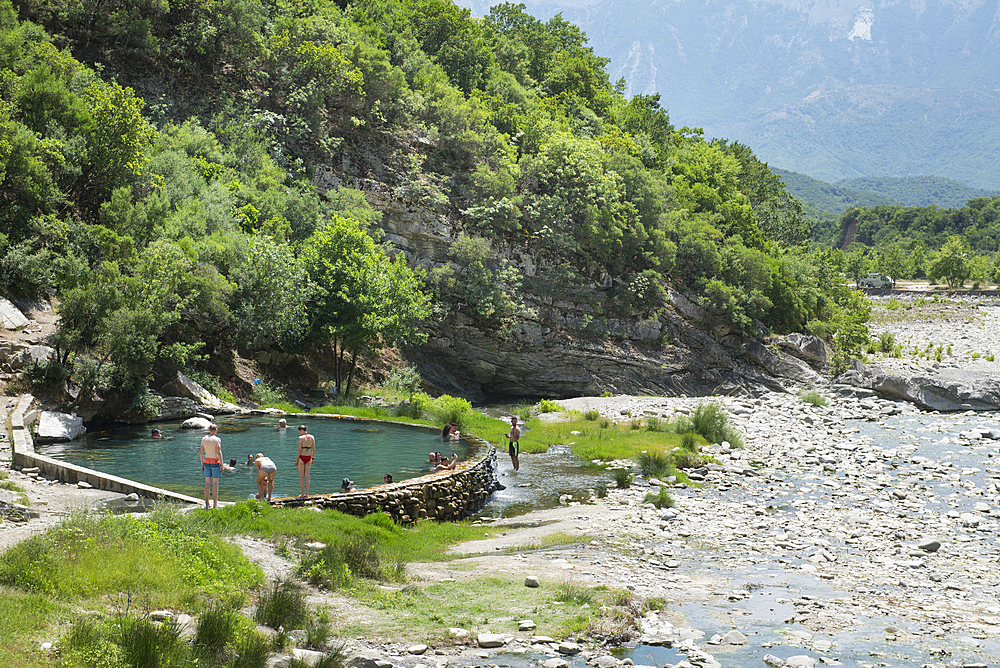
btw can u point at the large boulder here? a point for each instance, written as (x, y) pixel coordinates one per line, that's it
(59, 427)
(929, 393)
(11, 316)
(781, 366)
(196, 423)
(182, 386)
(803, 346)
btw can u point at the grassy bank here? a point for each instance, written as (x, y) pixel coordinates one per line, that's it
(88, 584)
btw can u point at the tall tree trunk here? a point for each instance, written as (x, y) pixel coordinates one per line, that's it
(350, 374)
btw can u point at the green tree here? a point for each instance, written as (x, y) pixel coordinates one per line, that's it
(363, 297)
(858, 262)
(952, 263)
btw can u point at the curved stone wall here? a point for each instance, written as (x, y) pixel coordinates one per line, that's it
(443, 496)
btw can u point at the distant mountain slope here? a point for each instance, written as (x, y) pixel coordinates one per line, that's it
(918, 190)
(833, 90)
(830, 198)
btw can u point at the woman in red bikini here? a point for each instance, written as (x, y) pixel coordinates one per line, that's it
(304, 458)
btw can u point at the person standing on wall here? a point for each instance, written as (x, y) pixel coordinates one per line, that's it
(304, 458)
(211, 464)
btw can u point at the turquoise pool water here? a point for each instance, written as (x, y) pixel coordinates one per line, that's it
(363, 451)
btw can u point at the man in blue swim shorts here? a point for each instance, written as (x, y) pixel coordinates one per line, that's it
(211, 464)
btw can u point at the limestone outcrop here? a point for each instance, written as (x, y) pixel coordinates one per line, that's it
(184, 387)
(576, 340)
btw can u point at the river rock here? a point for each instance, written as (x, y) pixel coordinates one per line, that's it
(568, 648)
(734, 637)
(457, 633)
(774, 661)
(196, 423)
(366, 660)
(800, 661)
(525, 625)
(490, 640)
(59, 427)
(307, 656)
(555, 663)
(532, 581)
(416, 649)
(604, 661)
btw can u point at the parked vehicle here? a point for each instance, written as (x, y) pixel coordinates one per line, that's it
(876, 280)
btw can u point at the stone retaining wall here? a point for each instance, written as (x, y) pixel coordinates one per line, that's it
(443, 496)
(24, 456)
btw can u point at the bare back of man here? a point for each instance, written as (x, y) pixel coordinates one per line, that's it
(211, 464)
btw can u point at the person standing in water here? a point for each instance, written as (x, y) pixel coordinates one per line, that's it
(515, 446)
(211, 464)
(304, 458)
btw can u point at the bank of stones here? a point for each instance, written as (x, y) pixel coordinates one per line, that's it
(442, 496)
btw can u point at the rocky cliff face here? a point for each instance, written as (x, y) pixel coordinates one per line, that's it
(568, 345)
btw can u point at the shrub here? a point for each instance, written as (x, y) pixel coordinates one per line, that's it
(522, 410)
(711, 421)
(886, 341)
(216, 626)
(623, 478)
(592, 416)
(653, 464)
(251, 650)
(548, 406)
(282, 604)
(447, 409)
(660, 500)
(813, 397)
(405, 380)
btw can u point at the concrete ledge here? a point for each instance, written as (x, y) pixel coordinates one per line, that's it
(24, 456)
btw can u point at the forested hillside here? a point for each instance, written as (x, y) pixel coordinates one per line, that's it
(918, 190)
(196, 177)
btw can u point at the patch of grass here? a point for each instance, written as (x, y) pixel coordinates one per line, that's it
(813, 397)
(23, 619)
(216, 626)
(523, 411)
(654, 423)
(12, 486)
(989, 357)
(976, 356)
(622, 477)
(592, 416)
(660, 500)
(712, 422)
(89, 556)
(575, 594)
(282, 604)
(603, 439)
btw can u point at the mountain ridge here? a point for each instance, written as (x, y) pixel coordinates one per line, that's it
(832, 90)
